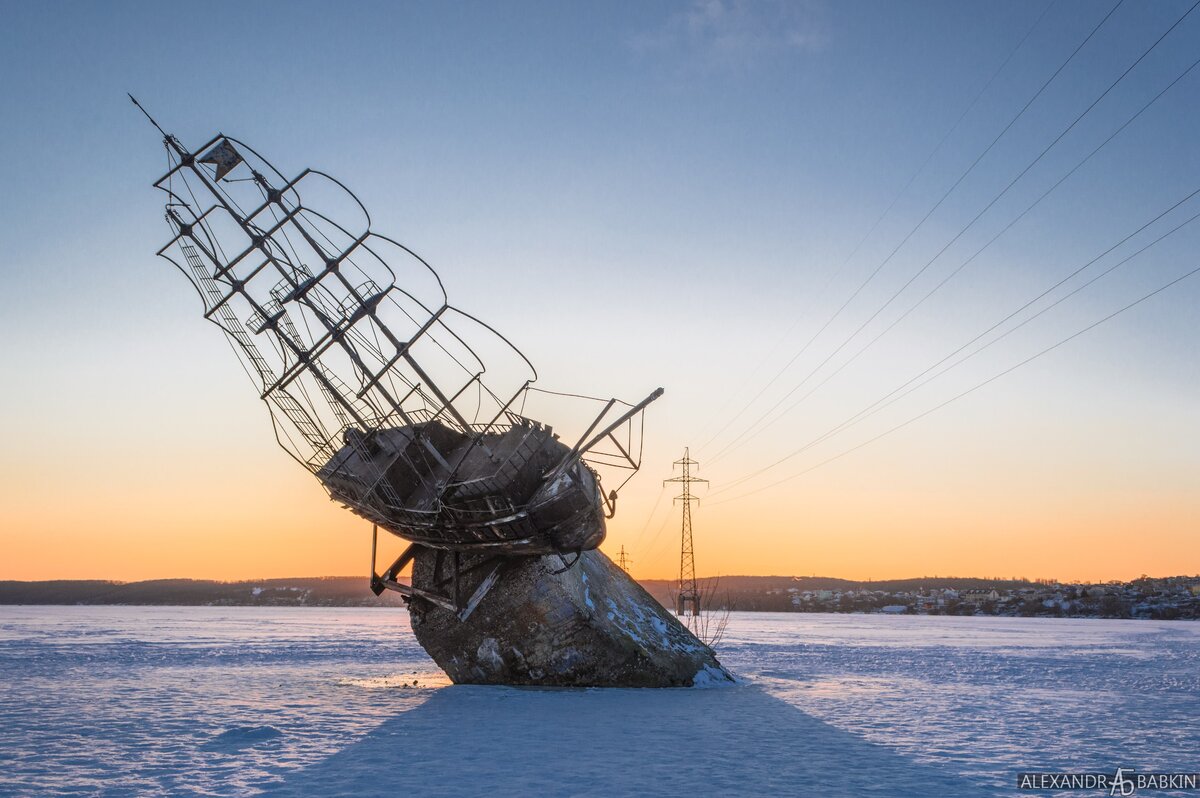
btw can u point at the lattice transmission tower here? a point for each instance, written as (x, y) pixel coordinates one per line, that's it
(623, 560)
(689, 590)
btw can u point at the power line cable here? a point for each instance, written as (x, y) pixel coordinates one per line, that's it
(870, 277)
(892, 397)
(842, 266)
(979, 251)
(974, 388)
(657, 533)
(650, 517)
(747, 432)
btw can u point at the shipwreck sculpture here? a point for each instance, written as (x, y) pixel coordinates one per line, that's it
(419, 417)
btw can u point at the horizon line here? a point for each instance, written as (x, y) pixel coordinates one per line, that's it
(793, 577)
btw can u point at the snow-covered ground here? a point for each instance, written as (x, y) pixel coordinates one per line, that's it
(308, 702)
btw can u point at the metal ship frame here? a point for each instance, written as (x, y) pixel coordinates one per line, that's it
(378, 385)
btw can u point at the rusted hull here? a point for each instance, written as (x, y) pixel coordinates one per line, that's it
(539, 626)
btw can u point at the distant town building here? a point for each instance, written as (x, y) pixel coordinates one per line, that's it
(979, 596)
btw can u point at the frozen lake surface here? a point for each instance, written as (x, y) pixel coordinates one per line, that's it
(303, 702)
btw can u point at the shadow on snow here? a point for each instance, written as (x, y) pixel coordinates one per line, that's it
(467, 740)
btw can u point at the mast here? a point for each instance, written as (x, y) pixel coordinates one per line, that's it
(369, 385)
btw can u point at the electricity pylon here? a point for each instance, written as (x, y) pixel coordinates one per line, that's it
(623, 560)
(689, 590)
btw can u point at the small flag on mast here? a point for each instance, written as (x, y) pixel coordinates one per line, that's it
(223, 156)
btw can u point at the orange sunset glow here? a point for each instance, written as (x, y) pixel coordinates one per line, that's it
(790, 242)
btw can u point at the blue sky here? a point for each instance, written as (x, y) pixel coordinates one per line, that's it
(639, 195)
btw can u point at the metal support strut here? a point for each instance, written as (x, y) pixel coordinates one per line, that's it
(451, 599)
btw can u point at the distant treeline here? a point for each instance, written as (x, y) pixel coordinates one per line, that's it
(329, 591)
(770, 593)
(746, 592)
